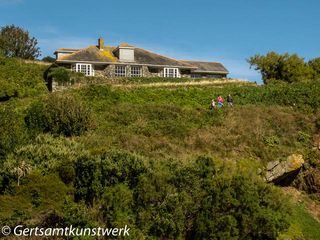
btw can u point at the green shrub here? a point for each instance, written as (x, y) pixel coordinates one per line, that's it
(67, 173)
(60, 74)
(20, 79)
(12, 131)
(272, 141)
(59, 115)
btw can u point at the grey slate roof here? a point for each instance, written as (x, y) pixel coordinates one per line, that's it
(145, 57)
(207, 66)
(90, 54)
(142, 56)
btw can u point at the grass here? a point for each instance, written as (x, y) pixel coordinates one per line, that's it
(310, 228)
(177, 122)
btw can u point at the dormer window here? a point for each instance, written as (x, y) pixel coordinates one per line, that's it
(125, 53)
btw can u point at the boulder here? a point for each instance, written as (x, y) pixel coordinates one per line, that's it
(284, 172)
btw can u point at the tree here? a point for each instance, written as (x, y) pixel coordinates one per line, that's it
(284, 67)
(315, 65)
(48, 59)
(16, 42)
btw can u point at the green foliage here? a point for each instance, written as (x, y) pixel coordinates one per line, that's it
(20, 79)
(139, 166)
(16, 42)
(60, 74)
(308, 226)
(59, 114)
(315, 65)
(304, 138)
(37, 195)
(272, 141)
(12, 132)
(92, 174)
(284, 67)
(87, 182)
(303, 95)
(143, 80)
(118, 206)
(239, 208)
(48, 59)
(171, 200)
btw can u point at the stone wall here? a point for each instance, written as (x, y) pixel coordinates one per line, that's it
(146, 72)
(109, 72)
(110, 69)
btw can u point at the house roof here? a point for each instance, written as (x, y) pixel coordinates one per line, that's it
(214, 67)
(146, 57)
(125, 45)
(67, 49)
(141, 56)
(90, 54)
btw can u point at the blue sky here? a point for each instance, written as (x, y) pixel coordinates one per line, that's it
(228, 31)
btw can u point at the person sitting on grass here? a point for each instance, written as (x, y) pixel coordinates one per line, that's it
(220, 101)
(213, 104)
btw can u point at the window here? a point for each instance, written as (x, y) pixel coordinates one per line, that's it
(171, 72)
(86, 69)
(120, 71)
(136, 71)
(195, 75)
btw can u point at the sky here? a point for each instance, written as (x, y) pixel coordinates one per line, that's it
(226, 31)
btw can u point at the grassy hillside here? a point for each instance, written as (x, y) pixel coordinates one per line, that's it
(20, 79)
(158, 159)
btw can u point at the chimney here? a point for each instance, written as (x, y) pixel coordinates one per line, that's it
(100, 43)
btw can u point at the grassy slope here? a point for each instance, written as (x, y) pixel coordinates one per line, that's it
(20, 79)
(178, 123)
(168, 122)
(164, 123)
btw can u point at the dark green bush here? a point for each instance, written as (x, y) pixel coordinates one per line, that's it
(171, 200)
(60, 74)
(59, 115)
(67, 173)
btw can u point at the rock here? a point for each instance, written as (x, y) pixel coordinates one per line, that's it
(309, 181)
(284, 172)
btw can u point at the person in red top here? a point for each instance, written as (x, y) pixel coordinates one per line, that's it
(220, 101)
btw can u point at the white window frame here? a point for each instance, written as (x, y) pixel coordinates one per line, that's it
(171, 72)
(136, 71)
(84, 68)
(120, 71)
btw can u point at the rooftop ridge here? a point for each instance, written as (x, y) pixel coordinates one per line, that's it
(74, 53)
(163, 56)
(199, 61)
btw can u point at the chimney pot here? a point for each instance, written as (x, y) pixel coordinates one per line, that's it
(101, 43)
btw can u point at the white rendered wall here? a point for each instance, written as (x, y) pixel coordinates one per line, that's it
(126, 55)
